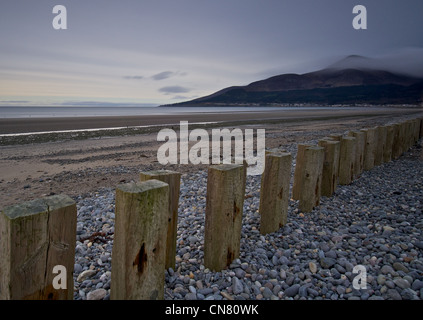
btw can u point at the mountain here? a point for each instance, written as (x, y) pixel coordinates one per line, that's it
(348, 81)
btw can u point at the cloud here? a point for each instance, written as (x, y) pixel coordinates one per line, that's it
(105, 104)
(174, 89)
(163, 75)
(167, 74)
(14, 101)
(133, 77)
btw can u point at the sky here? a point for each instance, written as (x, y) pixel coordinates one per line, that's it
(151, 52)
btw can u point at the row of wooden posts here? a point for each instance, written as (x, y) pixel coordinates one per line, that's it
(38, 235)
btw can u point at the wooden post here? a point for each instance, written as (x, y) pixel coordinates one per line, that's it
(336, 136)
(274, 192)
(360, 144)
(173, 179)
(369, 150)
(311, 178)
(346, 160)
(387, 151)
(421, 128)
(330, 166)
(224, 208)
(416, 130)
(396, 143)
(139, 247)
(35, 237)
(299, 164)
(380, 144)
(402, 138)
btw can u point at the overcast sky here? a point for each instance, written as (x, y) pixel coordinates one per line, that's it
(165, 51)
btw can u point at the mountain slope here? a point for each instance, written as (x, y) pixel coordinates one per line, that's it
(337, 84)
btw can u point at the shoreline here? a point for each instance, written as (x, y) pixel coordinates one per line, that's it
(9, 126)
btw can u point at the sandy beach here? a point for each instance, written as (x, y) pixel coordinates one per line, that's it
(74, 166)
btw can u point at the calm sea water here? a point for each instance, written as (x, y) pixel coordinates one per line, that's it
(49, 112)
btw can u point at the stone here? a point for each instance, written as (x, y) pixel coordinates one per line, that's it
(394, 294)
(400, 267)
(237, 286)
(402, 283)
(85, 274)
(292, 290)
(97, 294)
(327, 263)
(312, 266)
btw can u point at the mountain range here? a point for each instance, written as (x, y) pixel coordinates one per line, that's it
(352, 80)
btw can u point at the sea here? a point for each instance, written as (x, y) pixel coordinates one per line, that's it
(51, 112)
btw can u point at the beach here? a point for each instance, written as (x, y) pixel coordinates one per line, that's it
(373, 222)
(74, 163)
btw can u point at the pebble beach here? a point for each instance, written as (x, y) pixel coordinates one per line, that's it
(375, 222)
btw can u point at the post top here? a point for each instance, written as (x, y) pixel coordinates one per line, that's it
(158, 172)
(315, 148)
(226, 167)
(137, 187)
(37, 206)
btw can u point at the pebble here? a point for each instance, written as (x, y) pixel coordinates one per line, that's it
(376, 221)
(97, 294)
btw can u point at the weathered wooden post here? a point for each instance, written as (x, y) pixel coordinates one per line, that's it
(416, 130)
(173, 179)
(224, 208)
(387, 151)
(299, 164)
(421, 128)
(408, 134)
(369, 150)
(336, 136)
(311, 178)
(396, 143)
(402, 138)
(37, 244)
(330, 166)
(346, 160)
(274, 191)
(139, 247)
(380, 144)
(360, 144)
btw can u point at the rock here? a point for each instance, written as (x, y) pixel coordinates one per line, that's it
(387, 269)
(400, 267)
(237, 286)
(312, 266)
(191, 296)
(417, 285)
(97, 294)
(267, 293)
(381, 279)
(85, 274)
(394, 294)
(403, 284)
(388, 228)
(292, 290)
(226, 295)
(327, 263)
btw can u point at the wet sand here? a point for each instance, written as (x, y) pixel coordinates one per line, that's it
(22, 125)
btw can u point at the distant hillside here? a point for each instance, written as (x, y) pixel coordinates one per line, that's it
(348, 81)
